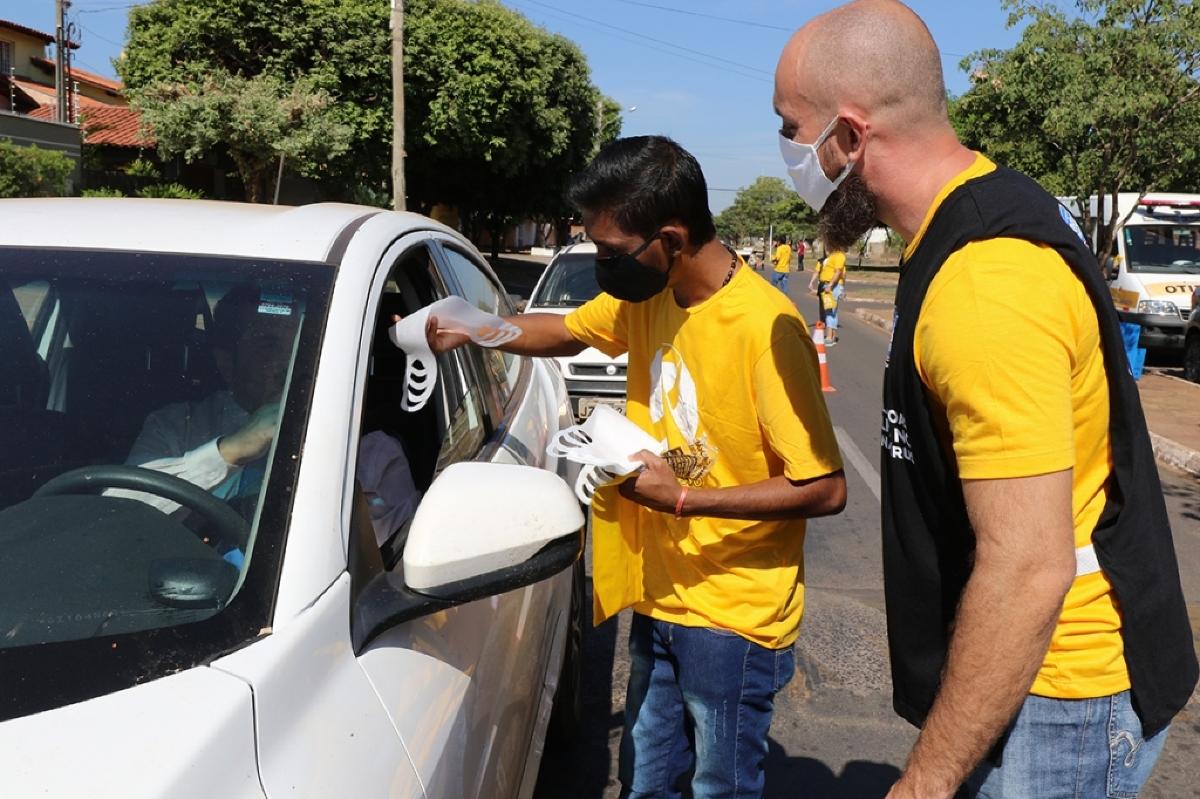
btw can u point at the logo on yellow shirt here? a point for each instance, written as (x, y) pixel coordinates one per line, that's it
(673, 394)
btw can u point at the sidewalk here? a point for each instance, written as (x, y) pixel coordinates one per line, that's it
(1171, 405)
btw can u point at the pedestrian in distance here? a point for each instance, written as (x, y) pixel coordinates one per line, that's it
(800, 255)
(721, 368)
(1036, 625)
(828, 281)
(782, 262)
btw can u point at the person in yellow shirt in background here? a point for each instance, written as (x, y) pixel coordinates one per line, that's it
(1036, 625)
(782, 260)
(705, 543)
(829, 283)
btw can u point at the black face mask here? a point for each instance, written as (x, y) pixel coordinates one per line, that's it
(627, 278)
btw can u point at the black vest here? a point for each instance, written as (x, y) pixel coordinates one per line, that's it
(927, 538)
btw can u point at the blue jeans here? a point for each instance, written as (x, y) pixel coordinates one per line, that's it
(698, 697)
(780, 281)
(1072, 749)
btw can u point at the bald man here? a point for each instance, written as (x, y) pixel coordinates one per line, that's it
(1036, 626)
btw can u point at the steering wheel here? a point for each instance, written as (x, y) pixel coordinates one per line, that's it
(94, 479)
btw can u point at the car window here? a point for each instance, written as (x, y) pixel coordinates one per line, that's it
(401, 452)
(570, 282)
(479, 289)
(148, 432)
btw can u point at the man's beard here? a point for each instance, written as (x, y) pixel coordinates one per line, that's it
(847, 215)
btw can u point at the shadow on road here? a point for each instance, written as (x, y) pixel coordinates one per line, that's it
(1187, 490)
(804, 776)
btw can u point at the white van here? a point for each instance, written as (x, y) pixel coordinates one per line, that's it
(1155, 265)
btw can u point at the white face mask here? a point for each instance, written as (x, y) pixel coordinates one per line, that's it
(805, 168)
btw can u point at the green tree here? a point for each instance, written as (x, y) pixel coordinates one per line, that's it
(764, 204)
(498, 112)
(1098, 102)
(342, 48)
(33, 172)
(256, 120)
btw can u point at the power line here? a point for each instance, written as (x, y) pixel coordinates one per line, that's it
(708, 16)
(106, 9)
(686, 52)
(100, 37)
(621, 37)
(746, 22)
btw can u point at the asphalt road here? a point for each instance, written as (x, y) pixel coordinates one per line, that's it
(834, 733)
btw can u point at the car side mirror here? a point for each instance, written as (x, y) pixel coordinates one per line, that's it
(481, 529)
(518, 302)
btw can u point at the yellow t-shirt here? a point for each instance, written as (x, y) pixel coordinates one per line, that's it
(834, 262)
(737, 372)
(1008, 347)
(783, 258)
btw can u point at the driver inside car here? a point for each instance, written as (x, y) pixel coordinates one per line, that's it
(217, 443)
(220, 443)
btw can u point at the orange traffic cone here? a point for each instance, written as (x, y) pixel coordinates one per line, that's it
(819, 340)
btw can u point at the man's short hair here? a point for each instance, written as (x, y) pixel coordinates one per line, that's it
(646, 182)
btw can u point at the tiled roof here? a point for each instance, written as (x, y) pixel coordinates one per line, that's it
(82, 75)
(38, 92)
(107, 125)
(45, 37)
(37, 34)
(116, 126)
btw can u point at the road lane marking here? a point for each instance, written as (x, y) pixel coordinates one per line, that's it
(858, 461)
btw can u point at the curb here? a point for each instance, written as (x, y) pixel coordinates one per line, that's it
(873, 319)
(1166, 451)
(1174, 454)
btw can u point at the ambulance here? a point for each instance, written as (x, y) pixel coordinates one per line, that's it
(1154, 267)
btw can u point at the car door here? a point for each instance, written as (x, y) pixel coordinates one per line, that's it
(465, 686)
(531, 405)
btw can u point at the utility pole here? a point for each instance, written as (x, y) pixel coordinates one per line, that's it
(599, 120)
(60, 61)
(398, 187)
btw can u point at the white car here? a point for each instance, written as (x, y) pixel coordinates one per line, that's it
(292, 630)
(569, 281)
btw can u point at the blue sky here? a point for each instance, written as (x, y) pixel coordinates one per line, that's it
(700, 73)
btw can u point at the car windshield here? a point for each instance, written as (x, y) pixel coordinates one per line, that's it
(145, 401)
(1170, 249)
(570, 282)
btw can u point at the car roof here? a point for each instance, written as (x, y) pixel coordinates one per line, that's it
(583, 248)
(200, 227)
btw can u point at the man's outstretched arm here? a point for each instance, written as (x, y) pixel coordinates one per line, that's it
(542, 335)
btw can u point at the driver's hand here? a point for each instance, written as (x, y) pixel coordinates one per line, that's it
(253, 440)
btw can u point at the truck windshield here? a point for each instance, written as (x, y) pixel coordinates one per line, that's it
(149, 407)
(1168, 249)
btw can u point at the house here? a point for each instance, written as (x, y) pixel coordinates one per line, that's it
(96, 103)
(99, 113)
(21, 95)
